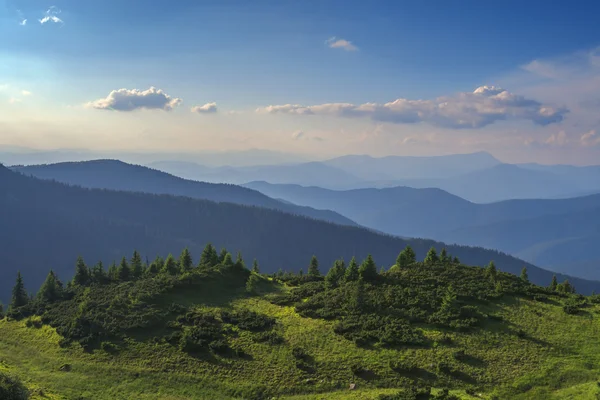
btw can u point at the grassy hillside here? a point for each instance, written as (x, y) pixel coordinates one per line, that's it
(45, 223)
(220, 331)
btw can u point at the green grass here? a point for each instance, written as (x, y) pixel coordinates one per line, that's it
(535, 351)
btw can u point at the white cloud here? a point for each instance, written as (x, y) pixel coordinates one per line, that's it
(590, 138)
(51, 16)
(129, 100)
(344, 44)
(484, 106)
(26, 93)
(23, 22)
(557, 139)
(207, 108)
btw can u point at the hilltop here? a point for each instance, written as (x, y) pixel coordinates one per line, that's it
(172, 330)
(117, 175)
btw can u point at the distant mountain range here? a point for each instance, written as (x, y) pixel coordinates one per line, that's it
(44, 223)
(477, 177)
(117, 175)
(557, 234)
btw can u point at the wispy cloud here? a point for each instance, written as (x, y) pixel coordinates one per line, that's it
(51, 15)
(301, 135)
(484, 106)
(26, 93)
(344, 44)
(134, 99)
(208, 108)
(591, 138)
(22, 19)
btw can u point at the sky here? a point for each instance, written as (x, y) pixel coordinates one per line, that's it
(321, 78)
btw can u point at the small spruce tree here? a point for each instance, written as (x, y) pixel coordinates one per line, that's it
(185, 261)
(406, 257)
(252, 283)
(19, 294)
(98, 275)
(209, 257)
(113, 272)
(456, 260)
(255, 267)
(51, 289)
(222, 255)
(335, 274)
(431, 257)
(171, 267)
(136, 265)
(491, 272)
(124, 272)
(227, 260)
(554, 283)
(444, 259)
(82, 273)
(239, 260)
(368, 270)
(524, 276)
(313, 268)
(351, 274)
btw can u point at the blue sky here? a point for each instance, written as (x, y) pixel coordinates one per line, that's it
(243, 56)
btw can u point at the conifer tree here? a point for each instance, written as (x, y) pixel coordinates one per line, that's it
(351, 274)
(171, 267)
(252, 283)
(335, 274)
(524, 276)
(136, 265)
(449, 299)
(113, 272)
(432, 256)
(313, 268)
(98, 275)
(19, 294)
(209, 257)
(51, 289)
(368, 270)
(185, 261)
(255, 267)
(82, 273)
(1, 310)
(554, 283)
(444, 259)
(227, 260)
(222, 255)
(124, 272)
(406, 257)
(456, 260)
(491, 272)
(301, 273)
(239, 260)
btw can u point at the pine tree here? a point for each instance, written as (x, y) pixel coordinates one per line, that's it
(406, 257)
(524, 275)
(335, 274)
(171, 267)
(185, 261)
(222, 255)
(255, 267)
(82, 273)
(351, 274)
(444, 256)
(136, 265)
(491, 272)
(239, 260)
(252, 283)
(368, 270)
(19, 294)
(456, 260)
(432, 256)
(51, 289)
(124, 272)
(98, 275)
(113, 272)
(209, 257)
(313, 268)
(449, 299)
(301, 273)
(227, 260)
(554, 283)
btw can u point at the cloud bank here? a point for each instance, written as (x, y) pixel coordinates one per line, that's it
(208, 108)
(343, 44)
(482, 107)
(134, 99)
